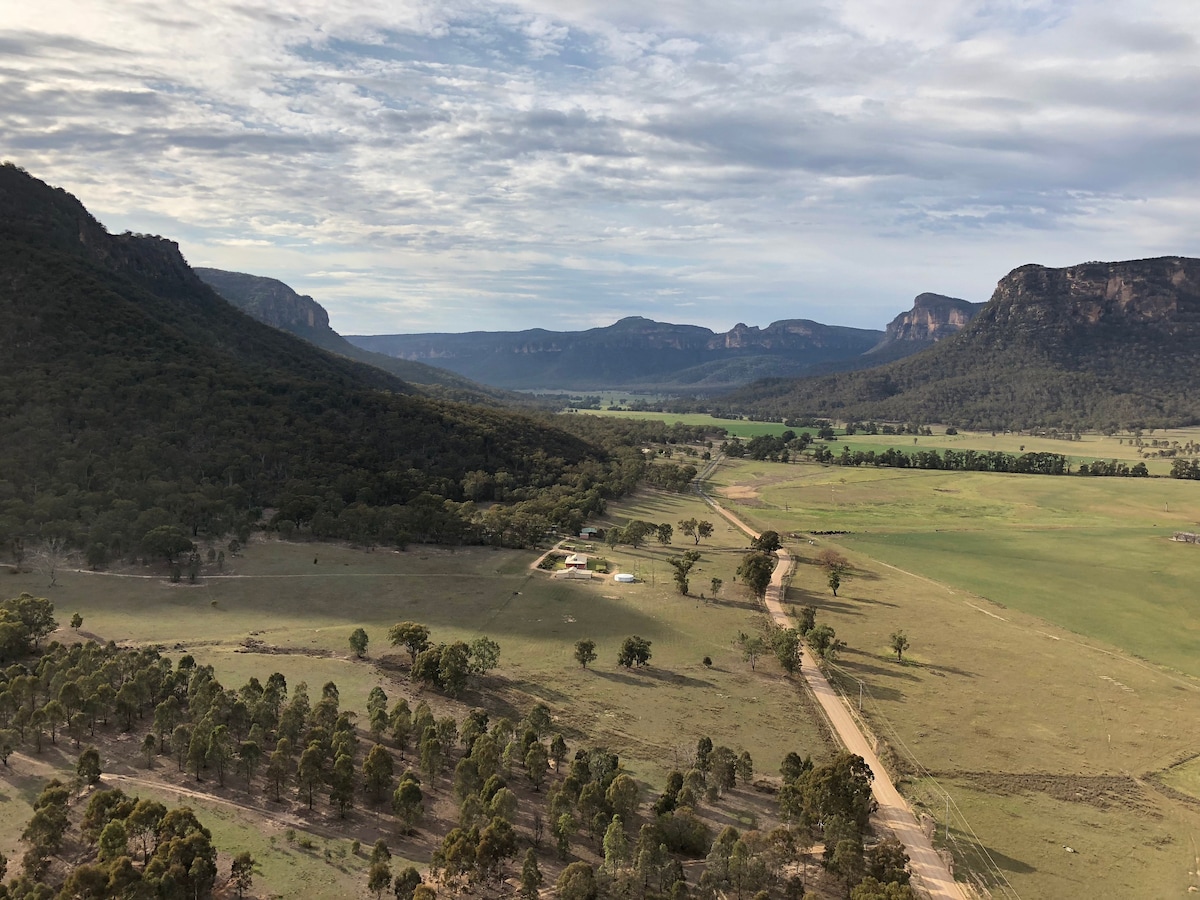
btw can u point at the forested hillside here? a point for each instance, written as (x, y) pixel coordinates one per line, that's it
(1099, 345)
(133, 398)
(274, 303)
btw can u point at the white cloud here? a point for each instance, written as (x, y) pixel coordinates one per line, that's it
(533, 163)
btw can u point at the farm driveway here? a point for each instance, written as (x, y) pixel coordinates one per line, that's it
(930, 871)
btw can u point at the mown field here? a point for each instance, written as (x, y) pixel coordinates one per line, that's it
(290, 607)
(1052, 680)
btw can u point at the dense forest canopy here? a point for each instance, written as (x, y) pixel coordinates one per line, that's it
(134, 398)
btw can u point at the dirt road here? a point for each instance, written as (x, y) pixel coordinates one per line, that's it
(930, 872)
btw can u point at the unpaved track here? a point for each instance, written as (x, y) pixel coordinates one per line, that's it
(930, 872)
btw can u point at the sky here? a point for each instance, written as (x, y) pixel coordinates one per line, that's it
(456, 166)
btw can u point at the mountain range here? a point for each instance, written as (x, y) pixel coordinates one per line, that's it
(1096, 345)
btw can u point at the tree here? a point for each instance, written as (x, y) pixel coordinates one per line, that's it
(899, 643)
(484, 654)
(379, 878)
(114, 841)
(622, 796)
(50, 557)
(704, 530)
(665, 533)
(716, 584)
(836, 567)
(531, 876)
(636, 532)
(278, 767)
(682, 566)
(88, 767)
(786, 644)
(76, 621)
(407, 802)
(311, 769)
(149, 748)
(824, 642)
(577, 882)
(752, 648)
(616, 846)
(412, 636)
(537, 762)
(249, 756)
(406, 883)
(806, 618)
(688, 527)
(358, 642)
(453, 667)
(834, 580)
(755, 570)
(767, 542)
(341, 785)
(634, 651)
(241, 873)
(888, 862)
(167, 541)
(220, 751)
(377, 772)
(585, 652)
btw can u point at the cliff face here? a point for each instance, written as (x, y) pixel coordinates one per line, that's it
(271, 302)
(932, 318)
(276, 304)
(1163, 291)
(1094, 345)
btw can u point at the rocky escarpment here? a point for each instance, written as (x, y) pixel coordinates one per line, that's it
(1096, 345)
(268, 300)
(932, 318)
(276, 304)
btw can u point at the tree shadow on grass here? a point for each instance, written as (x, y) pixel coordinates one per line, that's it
(636, 677)
(872, 601)
(1007, 863)
(866, 664)
(837, 606)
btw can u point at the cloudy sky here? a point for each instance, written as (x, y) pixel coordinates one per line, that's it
(451, 166)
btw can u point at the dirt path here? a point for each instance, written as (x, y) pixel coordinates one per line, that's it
(930, 872)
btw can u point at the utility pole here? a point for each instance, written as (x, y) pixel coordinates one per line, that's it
(860, 693)
(947, 818)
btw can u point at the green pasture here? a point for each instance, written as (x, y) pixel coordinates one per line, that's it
(1090, 446)
(736, 427)
(1052, 665)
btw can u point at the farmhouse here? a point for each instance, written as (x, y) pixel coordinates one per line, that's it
(577, 561)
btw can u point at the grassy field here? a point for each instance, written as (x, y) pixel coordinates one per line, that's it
(298, 614)
(1052, 669)
(1089, 447)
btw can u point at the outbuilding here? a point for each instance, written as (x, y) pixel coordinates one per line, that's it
(624, 578)
(576, 561)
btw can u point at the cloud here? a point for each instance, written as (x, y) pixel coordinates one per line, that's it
(537, 163)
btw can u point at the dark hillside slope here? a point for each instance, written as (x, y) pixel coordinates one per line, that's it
(132, 396)
(274, 303)
(1096, 345)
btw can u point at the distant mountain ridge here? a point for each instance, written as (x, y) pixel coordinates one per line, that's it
(276, 304)
(634, 352)
(1096, 345)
